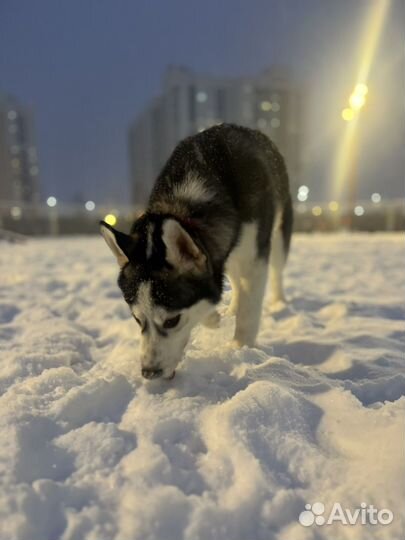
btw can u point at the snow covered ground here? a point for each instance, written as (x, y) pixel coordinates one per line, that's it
(236, 445)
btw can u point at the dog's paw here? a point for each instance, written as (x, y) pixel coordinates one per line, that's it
(213, 320)
(238, 343)
(278, 305)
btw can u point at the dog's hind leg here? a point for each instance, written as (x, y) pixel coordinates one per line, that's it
(277, 262)
(250, 299)
(280, 243)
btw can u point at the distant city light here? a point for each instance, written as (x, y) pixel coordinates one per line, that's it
(201, 97)
(275, 106)
(357, 101)
(15, 212)
(302, 197)
(12, 115)
(265, 106)
(303, 192)
(90, 206)
(347, 114)
(376, 198)
(110, 219)
(317, 210)
(51, 201)
(275, 122)
(359, 210)
(333, 206)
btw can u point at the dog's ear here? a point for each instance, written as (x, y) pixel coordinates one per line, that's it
(181, 251)
(119, 243)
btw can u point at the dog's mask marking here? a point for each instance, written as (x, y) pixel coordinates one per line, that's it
(149, 240)
(181, 251)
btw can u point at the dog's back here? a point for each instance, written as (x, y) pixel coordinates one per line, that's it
(224, 177)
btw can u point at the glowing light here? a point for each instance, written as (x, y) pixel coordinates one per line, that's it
(348, 114)
(317, 211)
(201, 97)
(15, 212)
(376, 198)
(110, 219)
(275, 123)
(275, 106)
(51, 201)
(90, 206)
(12, 115)
(359, 210)
(333, 206)
(361, 89)
(357, 101)
(265, 106)
(302, 197)
(303, 192)
(345, 154)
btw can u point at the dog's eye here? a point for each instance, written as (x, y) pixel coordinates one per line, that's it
(171, 323)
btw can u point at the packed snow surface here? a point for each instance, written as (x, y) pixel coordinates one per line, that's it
(239, 441)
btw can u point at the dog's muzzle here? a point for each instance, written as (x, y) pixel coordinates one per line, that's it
(151, 373)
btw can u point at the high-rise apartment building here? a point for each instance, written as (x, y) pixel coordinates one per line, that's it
(191, 102)
(19, 170)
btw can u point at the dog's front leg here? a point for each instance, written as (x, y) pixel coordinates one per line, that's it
(250, 298)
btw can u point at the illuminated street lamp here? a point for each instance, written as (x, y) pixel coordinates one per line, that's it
(357, 100)
(51, 201)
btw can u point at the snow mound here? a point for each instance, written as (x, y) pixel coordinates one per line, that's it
(240, 441)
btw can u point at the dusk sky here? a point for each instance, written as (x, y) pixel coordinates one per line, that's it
(88, 67)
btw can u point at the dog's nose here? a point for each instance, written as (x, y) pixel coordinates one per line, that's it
(152, 373)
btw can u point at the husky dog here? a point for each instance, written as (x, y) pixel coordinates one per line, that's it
(221, 205)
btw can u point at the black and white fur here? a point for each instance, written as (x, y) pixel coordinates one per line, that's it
(221, 205)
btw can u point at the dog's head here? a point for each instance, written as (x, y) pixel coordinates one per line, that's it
(167, 281)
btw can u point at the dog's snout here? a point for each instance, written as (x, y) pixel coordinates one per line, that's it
(152, 373)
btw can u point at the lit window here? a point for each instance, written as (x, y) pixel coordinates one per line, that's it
(275, 106)
(12, 115)
(275, 123)
(201, 97)
(265, 106)
(34, 170)
(15, 212)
